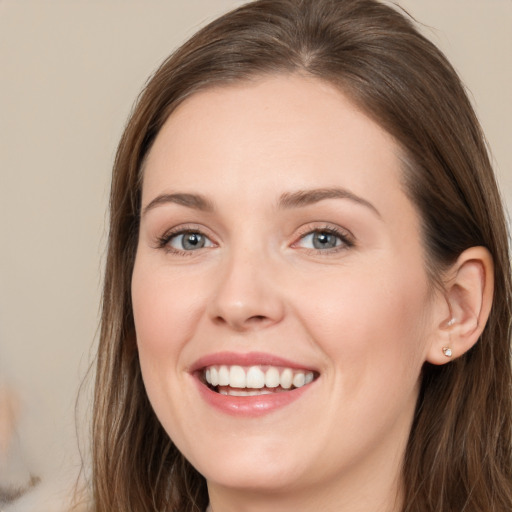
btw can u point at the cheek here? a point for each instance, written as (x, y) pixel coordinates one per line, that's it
(166, 311)
(372, 324)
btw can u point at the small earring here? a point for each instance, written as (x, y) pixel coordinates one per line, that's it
(447, 351)
(451, 322)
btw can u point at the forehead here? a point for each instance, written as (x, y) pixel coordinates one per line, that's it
(285, 131)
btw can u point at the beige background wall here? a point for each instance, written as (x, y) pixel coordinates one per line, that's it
(69, 73)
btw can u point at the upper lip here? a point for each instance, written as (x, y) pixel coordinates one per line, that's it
(246, 359)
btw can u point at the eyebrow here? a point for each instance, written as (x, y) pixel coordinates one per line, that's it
(302, 198)
(195, 201)
(288, 200)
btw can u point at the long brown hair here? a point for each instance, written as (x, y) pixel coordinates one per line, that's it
(459, 453)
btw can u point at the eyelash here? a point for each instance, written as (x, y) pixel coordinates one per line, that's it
(164, 240)
(346, 238)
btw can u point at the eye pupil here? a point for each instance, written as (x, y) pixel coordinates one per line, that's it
(323, 240)
(193, 241)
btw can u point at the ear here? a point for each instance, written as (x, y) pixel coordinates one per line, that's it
(469, 288)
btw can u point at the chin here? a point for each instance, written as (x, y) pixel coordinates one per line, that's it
(255, 467)
(252, 476)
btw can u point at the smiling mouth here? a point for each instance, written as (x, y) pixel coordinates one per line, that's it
(254, 380)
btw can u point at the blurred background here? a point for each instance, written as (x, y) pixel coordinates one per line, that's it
(70, 71)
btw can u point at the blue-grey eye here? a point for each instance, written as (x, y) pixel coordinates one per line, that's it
(321, 240)
(190, 241)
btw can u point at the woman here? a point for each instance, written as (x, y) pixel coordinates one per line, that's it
(307, 295)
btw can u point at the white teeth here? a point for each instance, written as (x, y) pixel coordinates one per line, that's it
(286, 378)
(237, 392)
(255, 378)
(272, 378)
(299, 379)
(223, 376)
(237, 377)
(241, 392)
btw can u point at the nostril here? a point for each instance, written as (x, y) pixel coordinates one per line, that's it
(251, 322)
(219, 320)
(258, 322)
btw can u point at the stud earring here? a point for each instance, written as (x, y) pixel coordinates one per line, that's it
(447, 351)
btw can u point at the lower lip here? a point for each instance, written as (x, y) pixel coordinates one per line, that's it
(250, 405)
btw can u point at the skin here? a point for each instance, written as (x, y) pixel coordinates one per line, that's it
(362, 314)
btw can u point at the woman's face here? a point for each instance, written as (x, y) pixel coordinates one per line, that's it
(277, 246)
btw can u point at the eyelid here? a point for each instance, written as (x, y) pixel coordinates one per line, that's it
(162, 242)
(347, 238)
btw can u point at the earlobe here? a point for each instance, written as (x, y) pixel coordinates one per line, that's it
(469, 288)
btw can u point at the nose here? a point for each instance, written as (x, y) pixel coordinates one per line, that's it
(247, 296)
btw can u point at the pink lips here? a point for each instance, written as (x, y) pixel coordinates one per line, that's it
(246, 406)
